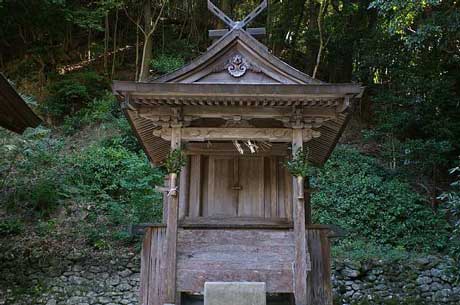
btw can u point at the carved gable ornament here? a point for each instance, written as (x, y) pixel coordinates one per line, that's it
(238, 65)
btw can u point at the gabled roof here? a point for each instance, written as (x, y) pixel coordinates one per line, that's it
(238, 71)
(15, 114)
(263, 66)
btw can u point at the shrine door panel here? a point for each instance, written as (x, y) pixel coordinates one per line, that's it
(222, 196)
(251, 186)
(233, 186)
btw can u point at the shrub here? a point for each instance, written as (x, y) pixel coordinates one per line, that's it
(362, 197)
(166, 63)
(97, 111)
(452, 206)
(119, 183)
(10, 227)
(73, 92)
(32, 180)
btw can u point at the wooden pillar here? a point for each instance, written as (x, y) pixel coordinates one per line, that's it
(171, 228)
(300, 264)
(307, 193)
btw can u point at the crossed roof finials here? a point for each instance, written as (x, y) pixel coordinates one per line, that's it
(237, 24)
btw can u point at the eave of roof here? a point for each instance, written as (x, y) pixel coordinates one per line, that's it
(15, 114)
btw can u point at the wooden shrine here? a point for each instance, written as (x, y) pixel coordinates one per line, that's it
(237, 112)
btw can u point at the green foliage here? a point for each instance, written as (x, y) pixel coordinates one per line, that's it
(362, 197)
(298, 165)
(360, 250)
(72, 92)
(97, 111)
(175, 161)
(166, 63)
(32, 179)
(452, 205)
(116, 186)
(11, 227)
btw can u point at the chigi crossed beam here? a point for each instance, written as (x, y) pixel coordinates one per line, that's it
(232, 25)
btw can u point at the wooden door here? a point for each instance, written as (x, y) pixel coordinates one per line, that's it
(251, 184)
(237, 186)
(222, 194)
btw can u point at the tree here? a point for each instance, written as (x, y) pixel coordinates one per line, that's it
(151, 13)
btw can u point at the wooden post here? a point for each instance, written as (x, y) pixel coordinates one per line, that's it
(300, 264)
(171, 228)
(307, 192)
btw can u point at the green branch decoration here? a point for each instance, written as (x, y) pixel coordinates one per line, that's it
(299, 167)
(174, 163)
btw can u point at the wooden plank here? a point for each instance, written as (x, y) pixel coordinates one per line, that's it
(145, 267)
(251, 180)
(319, 280)
(267, 190)
(300, 266)
(152, 280)
(235, 255)
(236, 222)
(274, 202)
(195, 186)
(253, 91)
(221, 199)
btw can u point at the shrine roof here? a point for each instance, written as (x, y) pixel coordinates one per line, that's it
(238, 71)
(15, 114)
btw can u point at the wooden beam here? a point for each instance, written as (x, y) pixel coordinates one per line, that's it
(171, 228)
(164, 113)
(201, 134)
(276, 91)
(254, 32)
(300, 264)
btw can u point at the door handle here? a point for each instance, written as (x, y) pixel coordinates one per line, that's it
(237, 188)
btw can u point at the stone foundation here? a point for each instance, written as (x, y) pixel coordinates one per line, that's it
(94, 280)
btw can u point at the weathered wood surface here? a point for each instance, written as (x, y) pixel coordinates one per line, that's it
(15, 114)
(319, 287)
(171, 229)
(235, 255)
(301, 246)
(236, 223)
(153, 266)
(201, 134)
(245, 186)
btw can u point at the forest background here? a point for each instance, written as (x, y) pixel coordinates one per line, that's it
(81, 179)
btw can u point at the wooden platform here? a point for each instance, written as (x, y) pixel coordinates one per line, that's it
(266, 255)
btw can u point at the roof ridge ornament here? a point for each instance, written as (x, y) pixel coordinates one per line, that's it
(237, 25)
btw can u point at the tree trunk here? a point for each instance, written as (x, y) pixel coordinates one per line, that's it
(106, 41)
(148, 42)
(114, 51)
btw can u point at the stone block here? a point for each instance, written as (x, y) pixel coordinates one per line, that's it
(234, 293)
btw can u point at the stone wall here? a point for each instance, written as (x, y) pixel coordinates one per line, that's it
(430, 280)
(114, 280)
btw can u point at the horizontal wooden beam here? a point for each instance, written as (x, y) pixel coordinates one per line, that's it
(200, 134)
(255, 32)
(236, 111)
(166, 90)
